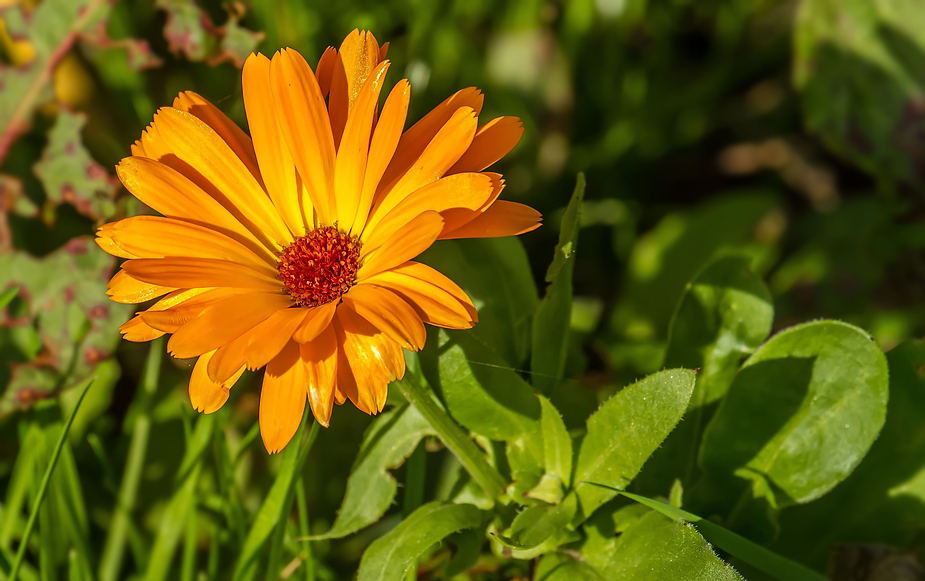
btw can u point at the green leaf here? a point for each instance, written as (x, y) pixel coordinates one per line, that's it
(495, 273)
(388, 441)
(557, 444)
(723, 316)
(190, 31)
(625, 431)
(802, 412)
(858, 67)
(656, 548)
(483, 394)
(740, 547)
(7, 296)
(553, 315)
(540, 529)
(393, 555)
(565, 567)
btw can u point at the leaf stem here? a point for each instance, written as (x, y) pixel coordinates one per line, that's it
(465, 450)
(43, 487)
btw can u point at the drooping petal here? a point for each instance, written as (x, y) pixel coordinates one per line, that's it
(372, 358)
(385, 140)
(228, 359)
(416, 237)
(306, 128)
(440, 154)
(198, 272)
(224, 321)
(226, 177)
(227, 129)
(273, 156)
(502, 218)
(492, 141)
(320, 359)
(282, 398)
(172, 194)
(436, 298)
(460, 191)
(315, 322)
(158, 237)
(208, 396)
(389, 313)
(267, 339)
(127, 290)
(356, 59)
(354, 148)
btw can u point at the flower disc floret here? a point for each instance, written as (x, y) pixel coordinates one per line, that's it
(321, 266)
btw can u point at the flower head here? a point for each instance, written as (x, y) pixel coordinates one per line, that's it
(292, 248)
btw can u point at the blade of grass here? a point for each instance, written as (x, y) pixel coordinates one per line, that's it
(7, 296)
(304, 531)
(114, 548)
(43, 486)
(415, 472)
(469, 455)
(188, 568)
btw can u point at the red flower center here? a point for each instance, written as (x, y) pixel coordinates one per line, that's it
(321, 266)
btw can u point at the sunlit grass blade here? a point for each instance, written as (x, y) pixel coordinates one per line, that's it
(752, 553)
(113, 550)
(7, 296)
(43, 486)
(273, 512)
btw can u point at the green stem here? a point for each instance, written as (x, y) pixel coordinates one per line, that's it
(113, 550)
(465, 450)
(415, 473)
(305, 531)
(43, 487)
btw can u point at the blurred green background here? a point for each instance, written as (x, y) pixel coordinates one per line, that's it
(791, 131)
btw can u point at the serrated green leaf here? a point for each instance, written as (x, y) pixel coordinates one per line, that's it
(557, 444)
(656, 548)
(802, 412)
(371, 488)
(625, 431)
(858, 67)
(564, 567)
(393, 555)
(553, 315)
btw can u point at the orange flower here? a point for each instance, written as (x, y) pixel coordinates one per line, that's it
(292, 248)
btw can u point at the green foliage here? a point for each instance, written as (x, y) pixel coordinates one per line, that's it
(604, 399)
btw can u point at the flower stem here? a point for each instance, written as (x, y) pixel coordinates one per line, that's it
(465, 450)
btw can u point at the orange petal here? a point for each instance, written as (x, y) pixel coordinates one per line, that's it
(273, 156)
(436, 298)
(374, 361)
(354, 148)
(357, 57)
(208, 396)
(172, 194)
(104, 240)
(306, 128)
(228, 359)
(125, 289)
(325, 69)
(466, 190)
(224, 321)
(440, 154)
(385, 140)
(389, 313)
(415, 140)
(502, 218)
(267, 339)
(492, 141)
(227, 129)
(198, 272)
(413, 239)
(136, 330)
(282, 399)
(316, 321)
(182, 306)
(320, 359)
(158, 237)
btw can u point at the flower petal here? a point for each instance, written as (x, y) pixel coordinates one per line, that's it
(208, 396)
(198, 272)
(357, 57)
(316, 321)
(282, 399)
(389, 313)
(180, 307)
(416, 237)
(137, 331)
(325, 70)
(436, 298)
(273, 156)
(492, 141)
(304, 122)
(372, 361)
(320, 359)
(125, 289)
(267, 339)
(502, 218)
(223, 322)
(226, 177)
